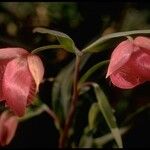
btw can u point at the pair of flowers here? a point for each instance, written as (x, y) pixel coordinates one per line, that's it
(22, 72)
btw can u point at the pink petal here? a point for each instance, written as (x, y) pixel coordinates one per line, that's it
(3, 132)
(32, 93)
(142, 64)
(3, 117)
(120, 56)
(36, 68)
(7, 53)
(3, 64)
(127, 76)
(16, 85)
(143, 42)
(8, 126)
(11, 126)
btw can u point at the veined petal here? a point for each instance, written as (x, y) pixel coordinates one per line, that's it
(32, 93)
(142, 64)
(7, 53)
(36, 68)
(126, 77)
(120, 56)
(143, 42)
(16, 85)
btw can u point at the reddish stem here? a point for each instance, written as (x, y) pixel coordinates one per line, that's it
(69, 120)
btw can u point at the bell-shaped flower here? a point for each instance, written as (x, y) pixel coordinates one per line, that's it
(20, 75)
(8, 126)
(130, 63)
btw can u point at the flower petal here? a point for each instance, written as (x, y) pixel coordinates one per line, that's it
(8, 126)
(120, 56)
(36, 68)
(142, 64)
(7, 53)
(126, 77)
(32, 93)
(16, 85)
(11, 126)
(3, 118)
(3, 64)
(143, 42)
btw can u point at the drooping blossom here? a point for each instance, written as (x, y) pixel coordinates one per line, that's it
(20, 75)
(8, 126)
(130, 63)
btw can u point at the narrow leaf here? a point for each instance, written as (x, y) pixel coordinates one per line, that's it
(62, 88)
(61, 91)
(86, 142)
(100, 141)
(94, 112)
(63, 38)
(86, 139)
(92, 70)
(108, 114)
(104, 41)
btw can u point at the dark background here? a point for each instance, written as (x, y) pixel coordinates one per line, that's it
(83, 22)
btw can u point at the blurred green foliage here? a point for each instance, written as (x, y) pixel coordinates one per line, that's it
(39, 14)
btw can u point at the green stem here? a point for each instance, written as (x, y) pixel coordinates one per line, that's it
(137, 112)
(30, 115)
(92, 70)
(41, 109)
(39, 49)
(107, 37)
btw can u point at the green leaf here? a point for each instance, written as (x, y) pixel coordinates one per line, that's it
(86, 139)
(63, 39)
(62, 86)
(100, 141)
(109, 39)
(92, 70)
(86, 142)
(107, 113)
(94, 112)
(61, 91)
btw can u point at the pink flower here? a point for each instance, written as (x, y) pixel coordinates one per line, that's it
(130, 63)
(20, 76)
(8, 126)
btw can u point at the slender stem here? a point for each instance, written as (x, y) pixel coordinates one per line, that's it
(90, 83)
(69, 120)
(39, 49)
(32, 114)
(53, 115)
(104, 38)
(41, 109)
(138, 111)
